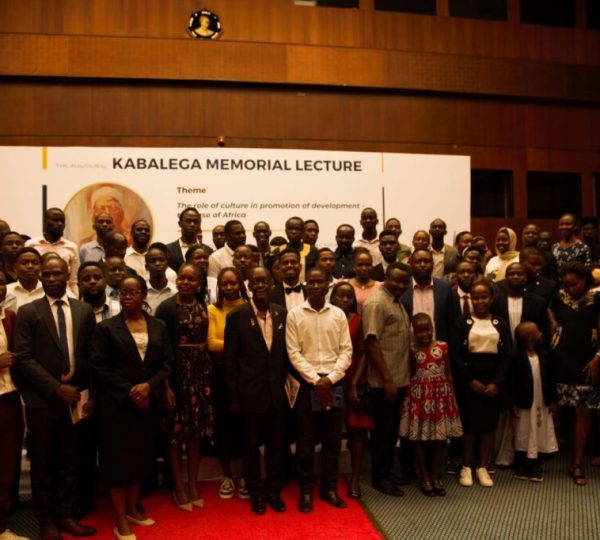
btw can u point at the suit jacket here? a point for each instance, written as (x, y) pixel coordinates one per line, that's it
(546, 288)
(451, 259)
(442, 300)
(176, 257)
(10, 318)
(38, 350)
(521, 379)
(117, 365)
(278, 294)
(255, 375)
(534, 310)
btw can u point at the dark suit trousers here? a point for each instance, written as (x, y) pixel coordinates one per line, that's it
(312, 428)
(11, 439)
(270, 428)
(55, 463)
(386, 417)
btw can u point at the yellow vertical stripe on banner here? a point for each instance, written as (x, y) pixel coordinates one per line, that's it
(382, 162)
(44, 158)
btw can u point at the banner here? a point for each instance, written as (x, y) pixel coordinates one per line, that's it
(249, 185)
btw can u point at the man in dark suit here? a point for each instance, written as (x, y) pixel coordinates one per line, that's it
(532, 260)
(255, 367)
(526, 306)
(445, 257)
(52, 343)
(429, 295)
(291, 292)
(190, 223)
(389, 248)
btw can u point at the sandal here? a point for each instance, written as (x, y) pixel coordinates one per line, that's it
(578, 475)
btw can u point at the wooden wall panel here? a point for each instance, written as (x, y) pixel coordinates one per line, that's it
(280, 21)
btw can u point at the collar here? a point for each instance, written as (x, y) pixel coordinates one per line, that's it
(61, 240)
(433, 250)
(64, 298)
(306, 305)
(460, 292)
(422, 287)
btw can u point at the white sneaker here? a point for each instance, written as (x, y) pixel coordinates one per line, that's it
(9, 535)
(483, 477)
(227, 489)
(465, 478)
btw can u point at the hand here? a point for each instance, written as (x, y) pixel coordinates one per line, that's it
(140, 395)
(592, 370)
(324, 384)
(477, 387)
(491, 390)
(169, 399)
(515, 412)
(88, 408)
(7, 359)
(68, 393)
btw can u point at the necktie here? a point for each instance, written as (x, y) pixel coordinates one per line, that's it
(62, 337)
(290, 290)
(466, 307)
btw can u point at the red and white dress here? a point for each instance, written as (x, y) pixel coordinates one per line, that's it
(429, 411)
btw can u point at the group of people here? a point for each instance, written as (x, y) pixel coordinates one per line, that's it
(125, 351)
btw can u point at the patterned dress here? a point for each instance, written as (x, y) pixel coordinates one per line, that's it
(193, 414)
(579, 251)
(430, 412)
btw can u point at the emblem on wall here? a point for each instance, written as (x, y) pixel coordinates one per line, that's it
(204, 24)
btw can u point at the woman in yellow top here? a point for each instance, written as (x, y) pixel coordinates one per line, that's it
(230, 294)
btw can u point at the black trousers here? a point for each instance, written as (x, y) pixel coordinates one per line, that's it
(312, 428)
(386, 417)
(55, 462)
(11, 438)
(267, 427)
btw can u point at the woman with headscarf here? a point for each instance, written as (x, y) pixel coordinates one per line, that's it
(506, 254)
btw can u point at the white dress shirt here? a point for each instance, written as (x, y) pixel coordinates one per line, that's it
(222, 258)
(17, 295)
(318, 342)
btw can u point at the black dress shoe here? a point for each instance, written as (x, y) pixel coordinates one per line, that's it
(305, 505)
(276, 503)
(389, 488)
(75, 528)
(333, 499)
(258, 505)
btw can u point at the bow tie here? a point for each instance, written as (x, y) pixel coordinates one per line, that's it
(290, 290)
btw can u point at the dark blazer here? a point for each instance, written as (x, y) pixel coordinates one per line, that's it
(546, 288)
(175, 257)
(38, 350)
(254, 375)
(278, 294)
(534, 310)
(459, 350)
(117, 365)
(10, 318)
(451, 259)
(521, 379)
(167, 313)
(442, 299)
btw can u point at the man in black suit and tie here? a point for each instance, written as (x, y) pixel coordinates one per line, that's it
(52, 343)
(190, 223)
(255, 367)
(291, 292)
(389, 247)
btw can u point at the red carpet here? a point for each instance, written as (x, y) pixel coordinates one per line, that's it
(232, 518)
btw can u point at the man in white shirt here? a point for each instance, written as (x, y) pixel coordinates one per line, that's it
(235, 235)
(159, 287)
(28, 287)
(445, 257)
(92, 286)
(320, 349)
(53, 240)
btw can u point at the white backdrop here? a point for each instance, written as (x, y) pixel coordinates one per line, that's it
(232, 183)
